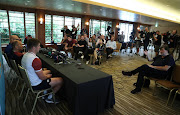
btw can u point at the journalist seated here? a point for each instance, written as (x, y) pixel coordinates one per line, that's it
(158, 69)
(17, 49)
(39, 79)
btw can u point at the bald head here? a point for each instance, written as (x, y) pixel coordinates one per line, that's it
(13, 38)
(17, 45)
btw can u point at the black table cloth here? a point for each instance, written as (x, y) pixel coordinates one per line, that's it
(87, 90)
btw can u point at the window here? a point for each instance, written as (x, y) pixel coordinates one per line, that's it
(58, 24)
(4, 30)
(69, 22)
(99, 27)
(126, 29)
(54, 24)
(48, 29)
(30, 24)
(17, 25)
(78, 22)
(16, 20)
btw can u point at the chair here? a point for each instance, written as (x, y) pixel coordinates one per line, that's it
(172, 84)
(118, 47)
(38, 93)
(9, 64)
(177, 92)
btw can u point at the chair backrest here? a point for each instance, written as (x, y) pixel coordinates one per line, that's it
(118, 46)
(25, 76)
(7, 59)
(176, 74)
(14, 67)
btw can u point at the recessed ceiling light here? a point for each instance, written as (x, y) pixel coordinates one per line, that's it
(72, 4)
(84, 12)
(101, 9)
(28, 1)
(26, 4)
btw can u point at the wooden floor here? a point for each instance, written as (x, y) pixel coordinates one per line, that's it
(126, 103)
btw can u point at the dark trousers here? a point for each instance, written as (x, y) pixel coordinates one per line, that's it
(147, 71)
(109, 51)
(146, 45)
(77, 49)
(89, 51)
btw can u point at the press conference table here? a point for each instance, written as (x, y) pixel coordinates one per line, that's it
(88, 91)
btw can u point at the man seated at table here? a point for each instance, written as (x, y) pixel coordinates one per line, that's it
(17, 49)
(110, 46)
(39, 79)
(158, 69)
(70, 43)
(9, 48)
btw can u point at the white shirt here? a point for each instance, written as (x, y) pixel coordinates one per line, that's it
(27, 62)
(111, 44)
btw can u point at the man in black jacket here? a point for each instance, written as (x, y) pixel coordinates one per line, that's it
(158, 69)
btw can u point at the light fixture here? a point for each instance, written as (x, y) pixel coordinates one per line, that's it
(86, 23)
(156, 25)
(117, 26)
(138, 28)
(41, 20)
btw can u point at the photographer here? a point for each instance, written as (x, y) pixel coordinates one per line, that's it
(172, 41)
(66, 31)
(157, 43)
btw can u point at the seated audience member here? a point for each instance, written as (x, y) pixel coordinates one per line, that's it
(39, 79)
(9, 48)
(101, 38)
(99, 50)
(86, 38)
(158, 69)
(70, 43)
(110, 46)
(63, 43)
(91, 47)
(17, 48)
(81, 46)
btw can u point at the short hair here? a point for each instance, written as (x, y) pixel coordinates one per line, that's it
(157, 31)
(69, 36)
(14, 44)
(165, 46)
(32, 43)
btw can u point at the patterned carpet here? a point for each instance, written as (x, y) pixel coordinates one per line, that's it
(126, 103)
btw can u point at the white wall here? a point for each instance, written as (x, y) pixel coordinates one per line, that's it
(164, 29)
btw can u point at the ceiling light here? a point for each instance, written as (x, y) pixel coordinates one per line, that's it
(72, 4)
(101, 9)
(84, 12)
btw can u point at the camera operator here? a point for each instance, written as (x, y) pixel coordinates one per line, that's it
(172, 41)
(157, 43)
(66, 31)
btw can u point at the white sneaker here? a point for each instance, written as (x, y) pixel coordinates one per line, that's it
(87, 62)
(51, 101)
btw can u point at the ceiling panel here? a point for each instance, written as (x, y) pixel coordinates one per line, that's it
(87, 9)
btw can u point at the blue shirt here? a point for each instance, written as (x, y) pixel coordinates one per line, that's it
(9, 51)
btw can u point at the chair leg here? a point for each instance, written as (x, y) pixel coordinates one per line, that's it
(54, 98)
(17, 84)
(174, 98)
(22, 90)
(169, 96)
(26, 96)
(154, 89)
(35, 103)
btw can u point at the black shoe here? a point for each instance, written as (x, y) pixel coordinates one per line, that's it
(136, 90)
(134, 84)
(145, 86)
(127, 73)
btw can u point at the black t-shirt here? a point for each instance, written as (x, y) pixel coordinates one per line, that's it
(159, 61)
(158, 42)
(82, 42)
(174, 38)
